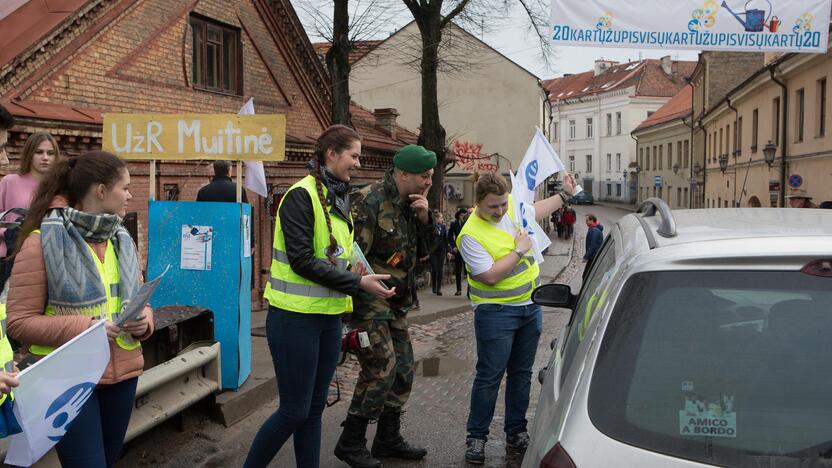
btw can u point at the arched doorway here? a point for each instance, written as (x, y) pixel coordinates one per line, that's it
(754, 202)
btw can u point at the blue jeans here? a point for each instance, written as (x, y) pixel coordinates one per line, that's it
(95, 436)
(305, 350)
(507, 339)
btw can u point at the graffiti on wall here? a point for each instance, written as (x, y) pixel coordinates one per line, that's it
(470, 158)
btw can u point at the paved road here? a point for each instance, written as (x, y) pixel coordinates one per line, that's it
(438, 407)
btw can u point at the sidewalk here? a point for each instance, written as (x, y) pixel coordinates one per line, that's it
(261, 386)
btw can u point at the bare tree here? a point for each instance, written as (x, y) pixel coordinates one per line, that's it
(369, 19)
(432, 18)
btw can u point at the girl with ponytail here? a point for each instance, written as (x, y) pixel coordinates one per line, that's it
(76, 265)
(309, 289)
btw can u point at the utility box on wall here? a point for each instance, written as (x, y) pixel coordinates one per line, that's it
(207, 247)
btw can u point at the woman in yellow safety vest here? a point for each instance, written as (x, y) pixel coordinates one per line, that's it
(75, 265)
(507, 325)
(308, 290)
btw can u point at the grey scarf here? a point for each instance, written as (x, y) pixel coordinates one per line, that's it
(74, 284)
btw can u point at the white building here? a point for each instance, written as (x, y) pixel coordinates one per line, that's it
(593, 113)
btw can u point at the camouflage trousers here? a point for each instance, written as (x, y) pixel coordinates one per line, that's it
(386, 375)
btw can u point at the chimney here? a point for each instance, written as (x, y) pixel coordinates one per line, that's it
(602, 65)
(668, 65)
(386, 119)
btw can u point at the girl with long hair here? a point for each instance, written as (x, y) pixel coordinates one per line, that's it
(76, 264)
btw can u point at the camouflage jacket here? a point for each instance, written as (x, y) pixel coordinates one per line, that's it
(392, 239)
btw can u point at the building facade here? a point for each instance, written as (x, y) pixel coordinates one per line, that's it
(783, 110)
(61, 69)
(488, 105)
(664, 152)
(593, 113)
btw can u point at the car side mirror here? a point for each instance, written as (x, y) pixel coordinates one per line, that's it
(554, 295)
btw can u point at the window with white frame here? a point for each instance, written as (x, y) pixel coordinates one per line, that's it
(572, 163)
(555, 131)
(588, 128)
(609, 190)
(617, 190)
(609, 162)
(618, 123)
(571, 129)
(609, 124)
(617, 161)
(588, 163)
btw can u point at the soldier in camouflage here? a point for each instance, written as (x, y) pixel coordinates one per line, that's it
(394, 227)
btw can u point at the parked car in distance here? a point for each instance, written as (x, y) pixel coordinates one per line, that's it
(699, 338)
(582, 198)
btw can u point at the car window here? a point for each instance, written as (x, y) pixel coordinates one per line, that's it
(591, 299)
(731, 368)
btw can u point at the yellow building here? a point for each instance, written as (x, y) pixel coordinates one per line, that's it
(771, 134)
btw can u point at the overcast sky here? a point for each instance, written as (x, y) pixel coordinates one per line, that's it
(511, 38)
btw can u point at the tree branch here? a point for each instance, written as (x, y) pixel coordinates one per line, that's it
(457, 10)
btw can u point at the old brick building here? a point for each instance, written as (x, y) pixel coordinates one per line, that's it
(62, 66)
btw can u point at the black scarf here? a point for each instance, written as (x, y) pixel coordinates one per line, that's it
(337, 190)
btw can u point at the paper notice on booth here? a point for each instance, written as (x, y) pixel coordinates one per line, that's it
(197, 243)
(246, 236)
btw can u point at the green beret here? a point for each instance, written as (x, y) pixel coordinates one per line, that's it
(414, 159)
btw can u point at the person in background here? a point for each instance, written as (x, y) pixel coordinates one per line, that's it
(507, 325)
(16, 190)
(557, 220)
(594, 239)
(453, 233)
(799, 198)
(309, 290)
(439, 254)
(73, 254)
(221, 188)
(569, 220)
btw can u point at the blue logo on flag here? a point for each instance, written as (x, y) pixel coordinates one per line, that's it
(66, 407)
(531, 174)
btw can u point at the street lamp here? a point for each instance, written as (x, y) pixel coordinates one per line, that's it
(768, 153)
(723, 162)
(697, 168)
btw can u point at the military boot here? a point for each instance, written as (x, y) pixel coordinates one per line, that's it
(352, 446)
(389, 441)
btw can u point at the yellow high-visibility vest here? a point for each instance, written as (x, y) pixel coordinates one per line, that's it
(523, 278)
(290, 291)
(109, 273)
(6, 354)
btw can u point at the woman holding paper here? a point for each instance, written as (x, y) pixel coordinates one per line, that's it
(309, 290)
(507, 325)
(76, 264)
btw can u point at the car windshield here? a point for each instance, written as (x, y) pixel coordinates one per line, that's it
(723, 367)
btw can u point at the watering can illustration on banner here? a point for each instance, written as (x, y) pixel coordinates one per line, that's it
(755, 19)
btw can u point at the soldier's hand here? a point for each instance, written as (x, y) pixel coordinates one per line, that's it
(372, 284)
(419, 204)
(8, 380)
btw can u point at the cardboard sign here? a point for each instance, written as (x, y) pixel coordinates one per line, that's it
(196, 136)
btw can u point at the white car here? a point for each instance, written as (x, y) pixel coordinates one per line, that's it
(699, 338)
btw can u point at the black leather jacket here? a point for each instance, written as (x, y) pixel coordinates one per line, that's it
(297, 219)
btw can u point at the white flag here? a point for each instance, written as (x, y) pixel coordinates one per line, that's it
(53, 391)
(255, 174)
(539, 162)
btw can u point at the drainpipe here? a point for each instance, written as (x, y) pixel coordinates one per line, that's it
(736, 132)
(638, 175)
(785, 134)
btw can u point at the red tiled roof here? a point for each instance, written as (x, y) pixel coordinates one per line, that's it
(31, 22)
(647, 76)
(49, 111)
(364, 122)
(677, 107)
(359, 49)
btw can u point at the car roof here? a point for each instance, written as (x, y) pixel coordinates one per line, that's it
(691, 226)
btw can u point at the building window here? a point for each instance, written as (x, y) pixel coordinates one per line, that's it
(647, 160)
(588, 128)
(649, 113)
(720, 144)
(572, 163)
(656, 160)
(679, 197)
(821, 107)
(571, 129)
(617, 190)
(609, 190)
(588, 163)
(739, 134)
(555, 131)
(609, 124)
(734, 140)
(617, 161)
(686, 197)
(171, 192)
(618, 123)
(609, 162)
(661, 156)
(775, 121)
(799, 118)
(679, 153)
(754, 122)
(641, 158)
(687, 153)
(670, 155)
(217, 53)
